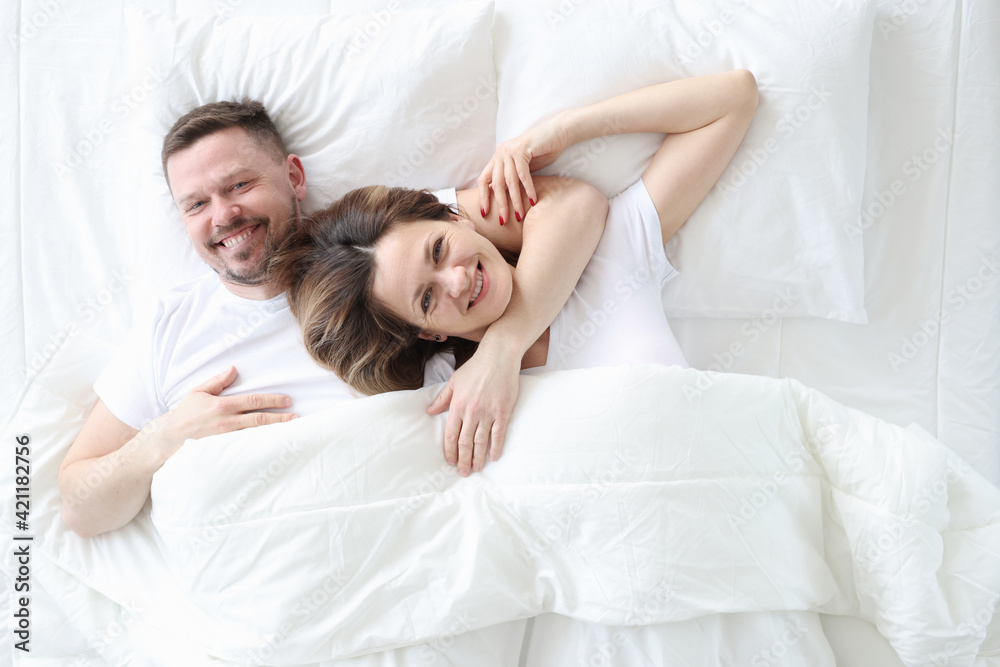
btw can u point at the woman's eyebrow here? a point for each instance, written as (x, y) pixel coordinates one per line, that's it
(422, 289)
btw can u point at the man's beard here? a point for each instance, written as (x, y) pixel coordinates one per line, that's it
(255, 274)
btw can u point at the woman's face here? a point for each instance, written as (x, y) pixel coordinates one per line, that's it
(443, 277)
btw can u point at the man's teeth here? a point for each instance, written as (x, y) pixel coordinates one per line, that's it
(479, 286)
(235, 240)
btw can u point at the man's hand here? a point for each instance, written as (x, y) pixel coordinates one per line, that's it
(481, 396)
(107, 473)
(203, 412)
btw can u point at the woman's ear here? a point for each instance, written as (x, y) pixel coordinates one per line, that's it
(434, 337)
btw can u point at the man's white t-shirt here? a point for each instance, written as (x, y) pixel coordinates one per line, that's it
(197, 331)
(615, 314)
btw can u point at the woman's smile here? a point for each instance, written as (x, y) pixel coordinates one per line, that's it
(482, 286)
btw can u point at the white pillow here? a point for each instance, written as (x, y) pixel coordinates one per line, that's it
(395, 97)
(775, 231)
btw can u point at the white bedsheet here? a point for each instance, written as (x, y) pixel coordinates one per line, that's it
(626, 496)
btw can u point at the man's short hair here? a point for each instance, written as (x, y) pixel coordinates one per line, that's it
(217, 116)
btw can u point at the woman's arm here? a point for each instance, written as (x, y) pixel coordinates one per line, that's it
(554, 242)
(705, 118)
(556, 239)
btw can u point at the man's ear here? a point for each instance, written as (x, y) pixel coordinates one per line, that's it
(296, 175)
(426, 336)
(462, 221)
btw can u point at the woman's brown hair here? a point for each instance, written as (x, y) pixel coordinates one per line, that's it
(327, 266)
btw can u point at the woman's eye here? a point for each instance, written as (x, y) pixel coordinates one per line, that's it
(427, 301)
(437, 250)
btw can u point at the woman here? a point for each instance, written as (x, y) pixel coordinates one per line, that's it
(385, 280)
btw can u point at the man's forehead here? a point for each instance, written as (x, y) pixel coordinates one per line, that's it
(232, 143)
(216, 157)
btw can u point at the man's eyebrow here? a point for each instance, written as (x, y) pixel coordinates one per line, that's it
(186, 198)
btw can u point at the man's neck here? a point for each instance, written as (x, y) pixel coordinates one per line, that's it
(261, 292)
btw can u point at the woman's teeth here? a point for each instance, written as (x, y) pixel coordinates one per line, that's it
(236, 240)
(479, 285)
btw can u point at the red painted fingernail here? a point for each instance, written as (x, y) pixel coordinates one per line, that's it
(501, 221)
(517, 215)
(531, 200)
(482, 212)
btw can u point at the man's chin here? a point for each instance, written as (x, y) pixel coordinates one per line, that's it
(248, 279)
(246, 269)
(246, 274)
(248, 266)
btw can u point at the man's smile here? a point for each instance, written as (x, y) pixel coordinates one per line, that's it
(231, 241)
(237, 238)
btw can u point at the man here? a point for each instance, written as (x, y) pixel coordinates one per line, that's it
(237, 189)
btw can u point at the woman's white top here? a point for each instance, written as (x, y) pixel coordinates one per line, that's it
(615, 314)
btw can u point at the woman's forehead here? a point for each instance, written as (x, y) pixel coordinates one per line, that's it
(399, 264)
(406, 238)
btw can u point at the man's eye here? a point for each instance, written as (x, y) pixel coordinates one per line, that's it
(427, 301)
(239, 185)
(195, 205)
(437, 250)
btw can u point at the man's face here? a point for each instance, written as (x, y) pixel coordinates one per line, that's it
(235, 198)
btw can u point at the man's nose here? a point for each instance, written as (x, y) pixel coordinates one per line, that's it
(455, 281)
(223, 212)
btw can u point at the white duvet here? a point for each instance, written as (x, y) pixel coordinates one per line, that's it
(625, 496)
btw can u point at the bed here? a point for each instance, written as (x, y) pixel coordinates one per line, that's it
(852, 246)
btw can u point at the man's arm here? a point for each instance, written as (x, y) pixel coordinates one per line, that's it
(105, 478)
(108, 471)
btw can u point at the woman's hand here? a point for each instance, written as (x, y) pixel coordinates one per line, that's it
(559, 237)
(511, 165)
(481, 396)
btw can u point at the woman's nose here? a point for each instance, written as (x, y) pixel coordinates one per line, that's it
(455, 281)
